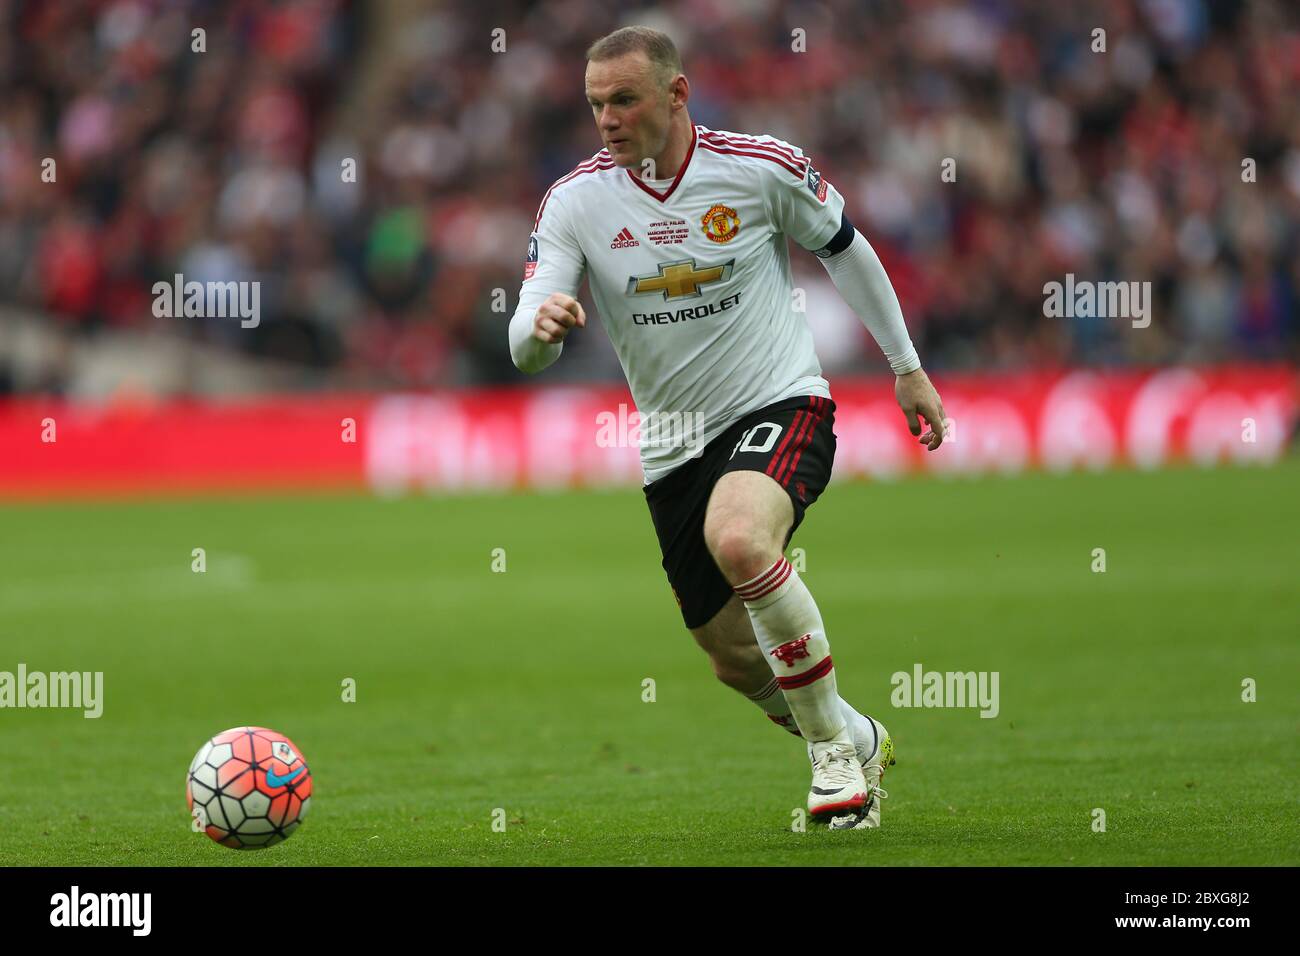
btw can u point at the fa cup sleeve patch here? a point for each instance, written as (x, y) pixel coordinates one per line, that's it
(816, 185)
(530, 261)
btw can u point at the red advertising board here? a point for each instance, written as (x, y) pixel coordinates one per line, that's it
(586, 436)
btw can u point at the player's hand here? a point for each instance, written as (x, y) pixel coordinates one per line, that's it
(916, 396)
(556, 316)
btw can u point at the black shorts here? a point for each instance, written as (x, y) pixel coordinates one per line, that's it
(792, 440)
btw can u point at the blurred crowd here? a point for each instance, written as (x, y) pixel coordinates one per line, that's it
(1165, 148)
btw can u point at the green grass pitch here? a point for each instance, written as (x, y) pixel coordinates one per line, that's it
(522, 690)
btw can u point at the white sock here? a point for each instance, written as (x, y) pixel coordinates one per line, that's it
(790, 632)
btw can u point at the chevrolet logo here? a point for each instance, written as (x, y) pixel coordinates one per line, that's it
(679, 280)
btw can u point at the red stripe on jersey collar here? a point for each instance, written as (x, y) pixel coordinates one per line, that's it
(663, 196)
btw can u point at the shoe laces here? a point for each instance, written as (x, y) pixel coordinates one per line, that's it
(836, 764)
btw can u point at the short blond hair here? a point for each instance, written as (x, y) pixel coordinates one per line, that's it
(657, 46)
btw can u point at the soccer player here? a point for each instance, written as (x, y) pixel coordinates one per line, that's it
(681, 231)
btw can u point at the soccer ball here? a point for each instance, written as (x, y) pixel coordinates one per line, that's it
(248, 788)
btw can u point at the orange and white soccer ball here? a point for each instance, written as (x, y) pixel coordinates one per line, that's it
(248, 788)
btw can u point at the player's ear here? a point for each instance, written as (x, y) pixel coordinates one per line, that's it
(681, 89)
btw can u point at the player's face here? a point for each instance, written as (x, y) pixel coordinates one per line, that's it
(631, 108)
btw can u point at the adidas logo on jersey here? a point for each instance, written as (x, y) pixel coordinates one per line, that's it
(624, 240)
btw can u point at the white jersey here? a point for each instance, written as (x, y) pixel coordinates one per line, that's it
(692, 278)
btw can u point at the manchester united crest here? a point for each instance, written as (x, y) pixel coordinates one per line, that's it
(720, 223)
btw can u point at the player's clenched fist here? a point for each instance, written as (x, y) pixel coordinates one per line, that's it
(556, 316)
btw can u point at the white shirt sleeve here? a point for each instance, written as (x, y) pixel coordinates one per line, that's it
(554, 263)
(806, 209)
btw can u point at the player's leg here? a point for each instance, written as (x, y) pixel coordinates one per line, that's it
(790, 446)
(793, 441)
(716, 617)
(745, 527)
(729, 641)
(739, 662)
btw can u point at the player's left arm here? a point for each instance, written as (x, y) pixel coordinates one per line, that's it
(811, 211)
(861, 279)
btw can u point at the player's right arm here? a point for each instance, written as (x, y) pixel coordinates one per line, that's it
(548, 306)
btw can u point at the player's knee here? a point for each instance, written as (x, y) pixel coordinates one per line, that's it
(742, 551)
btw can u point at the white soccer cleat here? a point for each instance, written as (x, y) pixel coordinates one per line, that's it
(838, 785)
(876, 754)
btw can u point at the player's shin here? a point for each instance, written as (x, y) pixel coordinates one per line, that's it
(790, 632)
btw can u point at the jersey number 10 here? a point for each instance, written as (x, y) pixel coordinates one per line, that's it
(747, 441)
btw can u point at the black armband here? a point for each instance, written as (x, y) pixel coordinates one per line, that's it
(840, 241)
